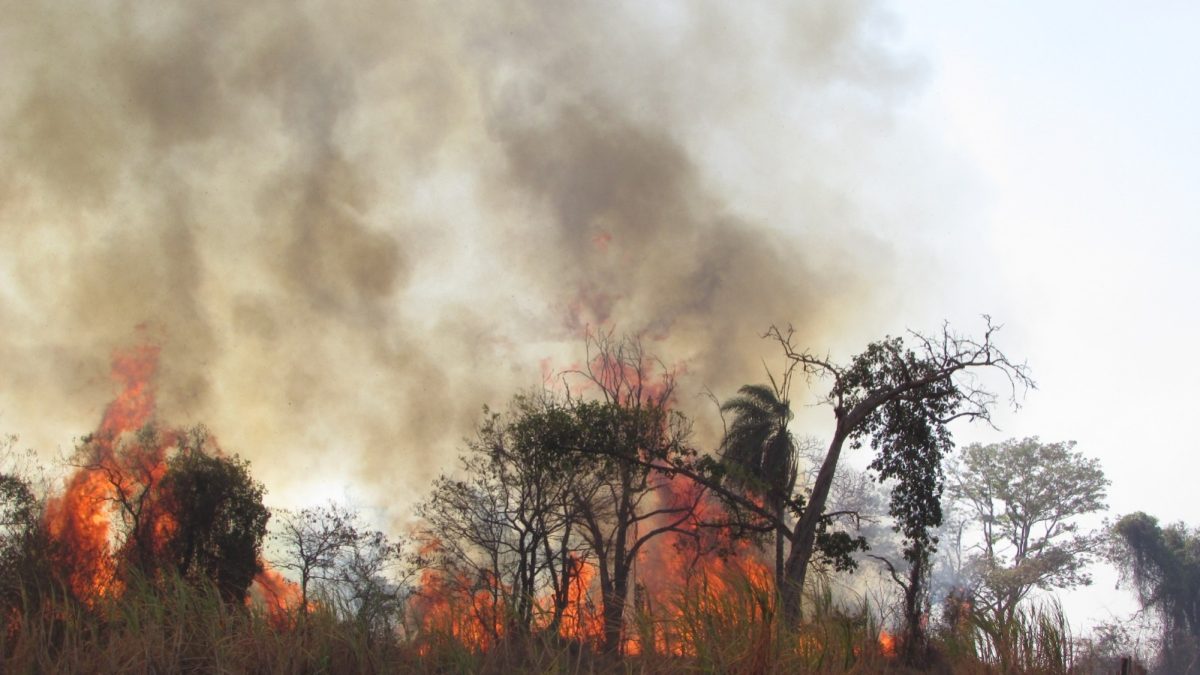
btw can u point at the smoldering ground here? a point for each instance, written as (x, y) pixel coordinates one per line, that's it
(350, 226)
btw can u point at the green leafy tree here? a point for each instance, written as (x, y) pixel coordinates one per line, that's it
(911, 442)
(1026, 497)
(890, 384)
(220, 519)
(1163, 564)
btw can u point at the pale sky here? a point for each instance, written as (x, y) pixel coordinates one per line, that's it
(1078, 123)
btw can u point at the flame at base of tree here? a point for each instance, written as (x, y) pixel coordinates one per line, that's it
(119, 473)
(79, 521)
(277, 596)
(581, 618)
(691, 572)
(459, 610)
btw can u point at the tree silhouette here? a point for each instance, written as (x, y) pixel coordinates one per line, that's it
(24, 546)
(313, 540)
(760, 452)
(220, 519)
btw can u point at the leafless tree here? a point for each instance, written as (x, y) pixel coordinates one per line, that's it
(312, 542)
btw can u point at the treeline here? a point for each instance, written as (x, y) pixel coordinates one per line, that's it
(583, 529)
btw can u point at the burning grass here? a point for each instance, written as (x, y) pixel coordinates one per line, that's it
(178, 626)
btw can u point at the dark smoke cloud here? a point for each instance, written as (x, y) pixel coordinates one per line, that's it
(351, 226)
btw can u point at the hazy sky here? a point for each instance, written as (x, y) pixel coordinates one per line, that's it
(1077, 122)
(350, 227)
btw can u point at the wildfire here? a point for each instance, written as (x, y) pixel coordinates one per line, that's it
(694, 569)
(887, 643)
(581, 620)
(278, 596)
(460, 610)
(122, 463)
(79, 520)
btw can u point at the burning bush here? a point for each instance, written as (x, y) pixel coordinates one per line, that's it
(146, 501)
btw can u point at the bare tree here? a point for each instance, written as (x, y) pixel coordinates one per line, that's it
(130, 469)
(371, 583)
(313, 541)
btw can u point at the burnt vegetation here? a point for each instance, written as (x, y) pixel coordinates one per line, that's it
(585, 528)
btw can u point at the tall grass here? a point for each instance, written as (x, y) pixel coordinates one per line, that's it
(1037, 639)
(176, 627)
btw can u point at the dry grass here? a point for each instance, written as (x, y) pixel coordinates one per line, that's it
(174, 627)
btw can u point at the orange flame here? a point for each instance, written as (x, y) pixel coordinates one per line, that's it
(581, 619)
(453, 607)
(120, 463)
(79, 519)
(277, 595)
(887, 643)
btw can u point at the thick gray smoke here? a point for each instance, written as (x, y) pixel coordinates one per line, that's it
(351, 225)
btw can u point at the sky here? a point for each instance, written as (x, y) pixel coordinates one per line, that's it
(1077, 124)
(351, 229)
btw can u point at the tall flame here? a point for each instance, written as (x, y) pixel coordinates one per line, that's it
(116, 461)
(79, 520)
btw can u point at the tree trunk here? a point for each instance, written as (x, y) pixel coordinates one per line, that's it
(614, 612)
(914, 644)
(778, 560)
(805, 532)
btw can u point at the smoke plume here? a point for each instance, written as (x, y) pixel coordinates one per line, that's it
(350, 226)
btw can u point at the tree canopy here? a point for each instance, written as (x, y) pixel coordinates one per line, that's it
(219, 517)
(1026, 496)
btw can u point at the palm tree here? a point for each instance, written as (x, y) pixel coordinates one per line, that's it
(759, 452)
